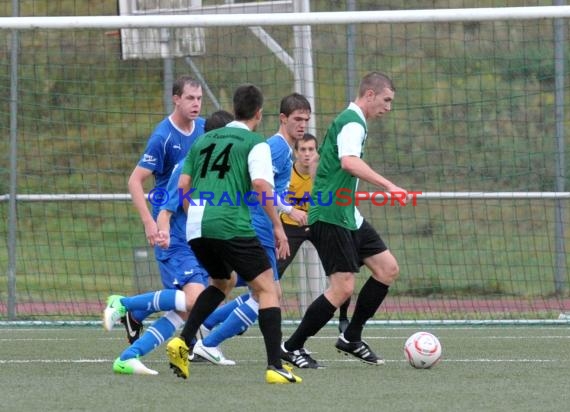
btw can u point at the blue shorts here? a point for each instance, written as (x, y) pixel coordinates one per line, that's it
(180, 269)
(270, 251)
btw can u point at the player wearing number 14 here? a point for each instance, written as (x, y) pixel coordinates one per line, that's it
(216, 151)
(226, 162)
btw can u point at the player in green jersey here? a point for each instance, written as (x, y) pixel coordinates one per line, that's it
(343, 238)
(227, 163)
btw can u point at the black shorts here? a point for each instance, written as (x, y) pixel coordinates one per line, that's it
(343, 250)
(219, 257)
(296, 235)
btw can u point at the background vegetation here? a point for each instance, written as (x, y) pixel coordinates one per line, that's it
(474, 111)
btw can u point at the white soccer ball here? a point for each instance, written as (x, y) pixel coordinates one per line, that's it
(422, 350)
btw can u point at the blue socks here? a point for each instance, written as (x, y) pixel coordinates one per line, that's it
(141, 306)
(231, 319)
(221, 313)
(160, 331)
(241, 318)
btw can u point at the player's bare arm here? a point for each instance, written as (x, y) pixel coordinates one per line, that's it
(265, 197)
(360, 169)
(163, 223)
(299, 216)
(136, 189)
(313, 163)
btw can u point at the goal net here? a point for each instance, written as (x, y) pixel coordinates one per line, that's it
(477, 126)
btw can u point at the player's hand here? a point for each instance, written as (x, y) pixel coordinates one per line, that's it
(163, 239)
(399, 193)
(314, 163)
(281, 243)
(299, 216)
(151, 232)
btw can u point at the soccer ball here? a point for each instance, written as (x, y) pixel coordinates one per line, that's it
(422, 350)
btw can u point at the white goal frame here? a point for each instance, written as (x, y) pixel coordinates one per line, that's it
(295, 19)
(285, 19)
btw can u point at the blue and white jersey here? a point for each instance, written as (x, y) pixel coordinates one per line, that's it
(282, 160)
(166, 146)
(178, 218)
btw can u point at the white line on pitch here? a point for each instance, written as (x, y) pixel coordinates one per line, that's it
(243, 361)
(495, 337)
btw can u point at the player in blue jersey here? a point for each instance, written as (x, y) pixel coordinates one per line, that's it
(183, 279)
(295, 112)
(182, 276)
(167, 145)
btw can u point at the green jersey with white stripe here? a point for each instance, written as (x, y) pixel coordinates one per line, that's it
(331, 180)
(218, 166)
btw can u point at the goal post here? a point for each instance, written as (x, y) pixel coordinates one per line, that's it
(477, 127)
(188, 41)
(288, 19)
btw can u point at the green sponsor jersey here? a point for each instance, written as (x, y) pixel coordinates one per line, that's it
(334, 189)
(218, 166)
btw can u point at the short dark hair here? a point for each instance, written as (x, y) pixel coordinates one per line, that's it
(307, 137)
(375, 81)
(294, 101)
(178, 85)
(247, 100)
(218, 119)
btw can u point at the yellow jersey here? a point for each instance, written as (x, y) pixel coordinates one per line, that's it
(299, 193)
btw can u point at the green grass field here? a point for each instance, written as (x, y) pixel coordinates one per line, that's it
(483, 369)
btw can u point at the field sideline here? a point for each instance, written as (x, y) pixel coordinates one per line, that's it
(496, 368)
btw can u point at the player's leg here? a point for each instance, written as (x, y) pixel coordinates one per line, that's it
(222, 312)
(208, 252)
(296, 236)
(163, 328)
(211, 297)
(339, 262)
(158, 301)
(192, 278)
(343, 315)
(264, 286)
(128, 362)
(237, 322)
(218, 316)
(317, 315)
(250, 260)
(178, 348)
(133, 319)
(376, 256)
(372, 293)
(132, 311)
